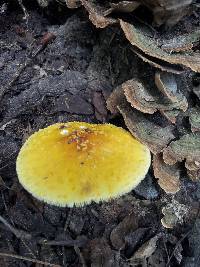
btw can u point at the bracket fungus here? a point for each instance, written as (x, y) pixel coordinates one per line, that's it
(75, 163)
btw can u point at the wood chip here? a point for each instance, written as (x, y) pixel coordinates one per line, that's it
(168, 176)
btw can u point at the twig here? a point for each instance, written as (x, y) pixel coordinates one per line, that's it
(176, 246)
(166, 250)
(26, 15)
(28, 259)
(67, 243)
(68, 219)
(78, 252)
(46, 39)
(18, 233)
(28, 248)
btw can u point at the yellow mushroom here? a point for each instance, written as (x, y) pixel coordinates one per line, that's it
(75, 163)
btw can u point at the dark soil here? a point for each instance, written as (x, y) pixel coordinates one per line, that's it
(62, 76)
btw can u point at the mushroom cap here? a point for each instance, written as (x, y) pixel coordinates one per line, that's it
(75, 163)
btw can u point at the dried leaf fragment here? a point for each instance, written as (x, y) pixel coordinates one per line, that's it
(102, 254)
(145, 251)
(118, 234)
(141, 36)
(187, 147)
(150, 134)
(168, 176)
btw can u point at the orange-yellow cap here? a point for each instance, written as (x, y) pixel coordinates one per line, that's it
(75, 163)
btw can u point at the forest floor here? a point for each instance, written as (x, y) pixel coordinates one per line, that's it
(55, 66)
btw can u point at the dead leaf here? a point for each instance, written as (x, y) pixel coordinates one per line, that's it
(118, 234)
(145, 251)
(101, 254)
(134, 239)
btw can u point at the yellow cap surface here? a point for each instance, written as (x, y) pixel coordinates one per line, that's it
(76, 163)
